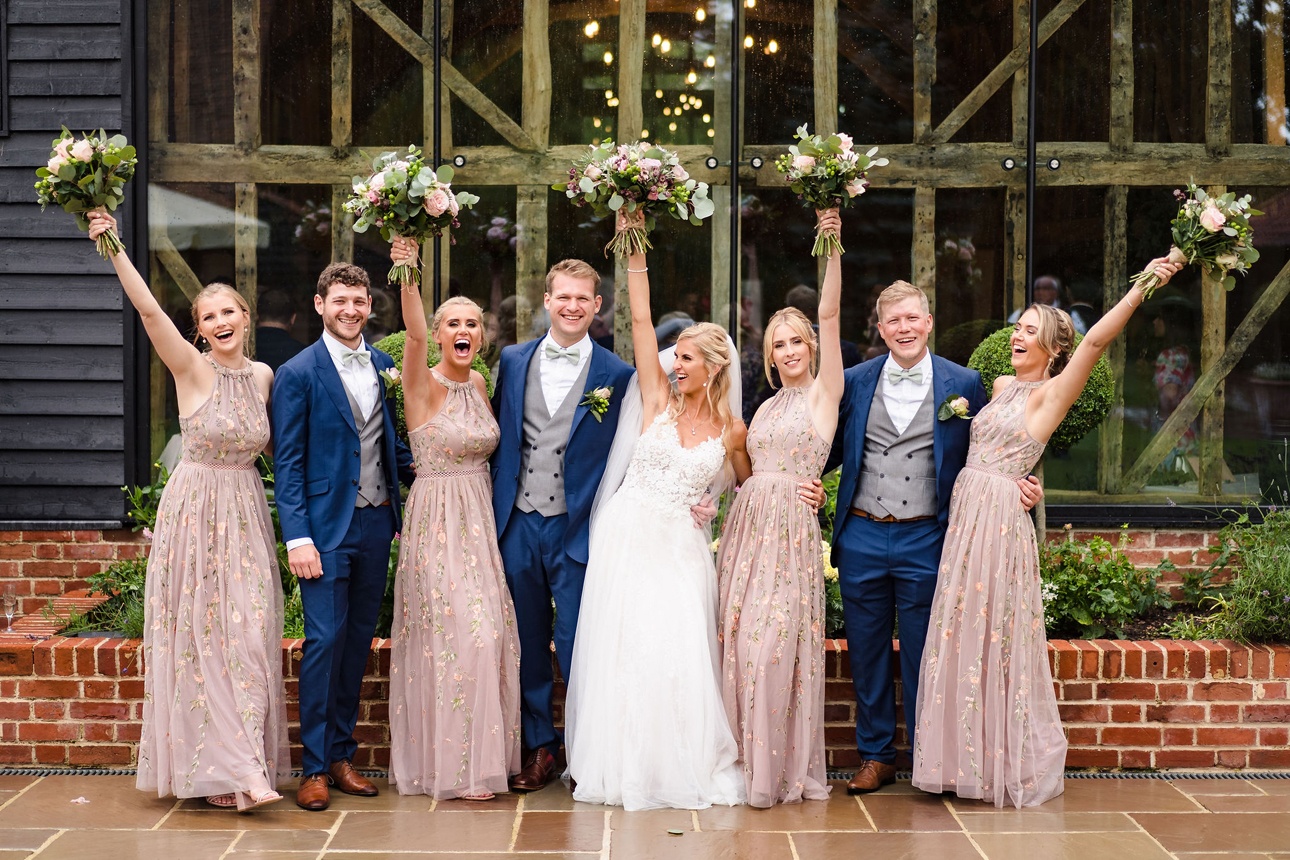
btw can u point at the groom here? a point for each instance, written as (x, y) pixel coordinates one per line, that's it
(542, 400)
(899, 463)
(337, 465)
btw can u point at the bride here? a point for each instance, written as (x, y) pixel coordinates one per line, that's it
(644, 723)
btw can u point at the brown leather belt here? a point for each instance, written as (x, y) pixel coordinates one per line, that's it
(865, 515)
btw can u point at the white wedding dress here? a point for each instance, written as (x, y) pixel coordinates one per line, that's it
(644, 723)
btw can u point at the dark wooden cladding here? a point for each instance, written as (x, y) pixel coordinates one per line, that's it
(63, 428)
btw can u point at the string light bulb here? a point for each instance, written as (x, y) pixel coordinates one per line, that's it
(592, 28)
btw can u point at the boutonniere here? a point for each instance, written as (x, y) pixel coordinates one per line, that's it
(597, 402)
(955, 406)
(392, 380)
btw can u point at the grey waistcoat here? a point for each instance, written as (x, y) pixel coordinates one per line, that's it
(898, 473)
(371, 445)
(545, 435)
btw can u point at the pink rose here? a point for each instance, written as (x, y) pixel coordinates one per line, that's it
(1211, 218)
(377, 181)
(82, 150)
(679, 173)
(805, 163)
(373, 197)
(845, 141)
(856, 187)
(63, 146)
(592, 171)
(453, 206)
(55, 164)
(436, 202)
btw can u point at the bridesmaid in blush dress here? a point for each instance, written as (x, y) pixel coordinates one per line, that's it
(455, 655)
(987, 724)
(214, 710)
(770, 570)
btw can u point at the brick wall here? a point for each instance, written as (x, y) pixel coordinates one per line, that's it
(1123, 704)
(46, 564)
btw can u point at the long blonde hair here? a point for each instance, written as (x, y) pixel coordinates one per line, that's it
(1056, 336)
(800, 326)
(214, 289)
(710, 341)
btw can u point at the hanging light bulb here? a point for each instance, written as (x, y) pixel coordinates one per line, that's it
(644, 133)
(592, 28)
(656, 40)
(772, 47)
(665, 46)
(707, 118)
(667, 111)
(710, 62)
(700, 14)
(609, 94)
(671, 126)
(751, 4)
(748, 41)
(658, 94)
(692, 77)
(595, 121)
(712, 132)
(609, 58)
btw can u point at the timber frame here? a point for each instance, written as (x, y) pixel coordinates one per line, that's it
(932, 160)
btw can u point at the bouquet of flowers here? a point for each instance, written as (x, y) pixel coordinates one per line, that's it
(1212, 231)
(86, 174)
(827, 173)
(641, 177)
(405, 197)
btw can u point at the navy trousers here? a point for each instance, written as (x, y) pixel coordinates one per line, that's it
(885, 571)
(538, 570)
(341, 608)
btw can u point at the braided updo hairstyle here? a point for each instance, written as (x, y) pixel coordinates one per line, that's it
(1056, 336)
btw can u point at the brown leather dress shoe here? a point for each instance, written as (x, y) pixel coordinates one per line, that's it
(539, 769)
(350, 781)
(312, 793)
(872, 776)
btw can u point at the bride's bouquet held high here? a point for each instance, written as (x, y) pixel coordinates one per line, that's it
(637, 177)
(84, 174)
(1212, 231)
(827, 173)
(405, 197)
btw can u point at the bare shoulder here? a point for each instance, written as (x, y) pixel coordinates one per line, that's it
(738, 433)
(1000, 383)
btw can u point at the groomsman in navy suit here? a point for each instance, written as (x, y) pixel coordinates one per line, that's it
(899, 463)
(542, 399)
(337, 466)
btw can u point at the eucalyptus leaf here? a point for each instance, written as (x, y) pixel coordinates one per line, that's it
(616, 202)
(444, 173)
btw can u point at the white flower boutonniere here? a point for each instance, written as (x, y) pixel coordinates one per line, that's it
(597, 401)
(955, 406)
(392, 380)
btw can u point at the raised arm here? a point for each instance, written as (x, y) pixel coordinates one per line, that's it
(422, 395)
(1060, 392)
(180, 357)
(826, 391)
(653, 379)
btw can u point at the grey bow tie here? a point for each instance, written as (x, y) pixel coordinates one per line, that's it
(349, 356)
(555, 351)
(896, 374)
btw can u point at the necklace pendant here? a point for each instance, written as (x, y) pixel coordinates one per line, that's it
(693, 432)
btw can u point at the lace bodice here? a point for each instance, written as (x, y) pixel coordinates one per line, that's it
(1000, 443)
(666, 476)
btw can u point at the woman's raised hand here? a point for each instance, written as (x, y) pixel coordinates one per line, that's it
(1164, 269)
(100, 223)
(829, 221)
(403, 251)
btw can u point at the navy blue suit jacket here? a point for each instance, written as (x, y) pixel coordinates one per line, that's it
(589, 439)
(949, 439)
(315, 441)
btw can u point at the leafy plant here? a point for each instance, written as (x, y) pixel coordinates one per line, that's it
(993, 358)
(392, 345)
(122, 612)
(144, 499)
(1256, 605)
(1091, 587)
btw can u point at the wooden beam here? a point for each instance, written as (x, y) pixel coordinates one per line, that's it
(181, 86)
(1208, 383)
(1274, 73)
(419, 48)
(952, 165)
(1021, 79)
(530, 255)
(1014, 249)
(724, 230)
(446, 11)
(159, 39)
(1218, 91)
(1213, 337)
(173, 262)
(922, 257)
(719, 282)
(246, 74)
(342, 225)
(631, 66)
(924, 68)
(1115, 251)
(1121, 131)
(536, 93)
(342, 69)
(246, 230)
(825, 66)
(1007, 67)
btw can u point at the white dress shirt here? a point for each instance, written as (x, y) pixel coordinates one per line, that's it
(903, 398)
(559, 374)
(360, 380)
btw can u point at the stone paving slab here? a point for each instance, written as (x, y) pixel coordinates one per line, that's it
(1096, 819)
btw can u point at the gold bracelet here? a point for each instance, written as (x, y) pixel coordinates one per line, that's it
(638, 271)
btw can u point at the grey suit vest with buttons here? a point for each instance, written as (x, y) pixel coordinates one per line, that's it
(898, 473)
(371, 446)
(545, 436)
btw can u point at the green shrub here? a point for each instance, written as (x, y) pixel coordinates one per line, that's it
(393, 346)
(993, 358)
(1090, 587)
(122, 612)
(1256, 604)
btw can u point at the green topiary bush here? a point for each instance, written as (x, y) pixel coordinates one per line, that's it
(993, 358)
(392, 345)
